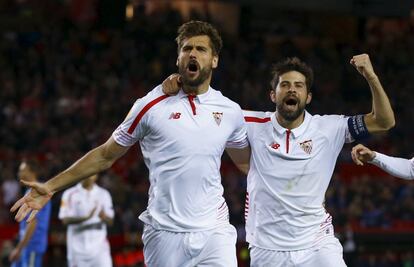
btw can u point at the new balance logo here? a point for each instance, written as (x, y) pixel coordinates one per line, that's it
(175, 115)
(275, 146)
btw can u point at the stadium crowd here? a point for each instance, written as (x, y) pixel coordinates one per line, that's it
(65, 87)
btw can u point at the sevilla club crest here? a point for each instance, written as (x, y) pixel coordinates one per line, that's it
(306, 146)
(217, 117)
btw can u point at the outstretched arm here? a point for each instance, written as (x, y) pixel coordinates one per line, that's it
(93, 162)
(398, 167)
(381, 118)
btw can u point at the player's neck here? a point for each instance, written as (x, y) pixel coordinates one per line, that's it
(288, 124)
(88, 186)
(197, 90)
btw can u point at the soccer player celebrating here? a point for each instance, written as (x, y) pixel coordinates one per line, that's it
(293, 155)
(293, 158)
(182, 139)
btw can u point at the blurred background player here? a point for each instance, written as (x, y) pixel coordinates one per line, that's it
(87, 209)
(33, 235)
(398, 167)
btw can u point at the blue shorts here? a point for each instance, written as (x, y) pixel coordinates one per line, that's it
(29, 258)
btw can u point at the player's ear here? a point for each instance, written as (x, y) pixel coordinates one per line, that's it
(272, 94)
(215, 62)
(176, 62)
(309, 98)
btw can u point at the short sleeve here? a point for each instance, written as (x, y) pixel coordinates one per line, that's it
(134, 127)
(335, 127)
(66, 207)
(238, 139)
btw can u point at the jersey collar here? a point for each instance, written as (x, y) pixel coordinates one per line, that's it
(298, 131)
(201, 98)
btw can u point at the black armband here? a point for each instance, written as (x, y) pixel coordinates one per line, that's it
(357, 127)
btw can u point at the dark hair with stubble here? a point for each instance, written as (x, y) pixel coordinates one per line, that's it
(292, 64)
(197, 28)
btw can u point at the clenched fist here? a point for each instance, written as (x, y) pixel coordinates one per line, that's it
(363, 65)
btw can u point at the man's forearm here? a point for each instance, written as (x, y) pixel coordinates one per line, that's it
(382, 112)
(91, 163)
(28, 234)
(74, 220)
(240, 157)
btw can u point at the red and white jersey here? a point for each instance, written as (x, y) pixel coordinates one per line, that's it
(85, 239)
(182, 139)
(289, 174)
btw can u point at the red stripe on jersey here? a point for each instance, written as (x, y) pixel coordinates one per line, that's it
(255, 119)
(144, 110)
(246, 207)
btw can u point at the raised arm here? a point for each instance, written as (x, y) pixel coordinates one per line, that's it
(381, 118)
(93, 162)
(398, 167)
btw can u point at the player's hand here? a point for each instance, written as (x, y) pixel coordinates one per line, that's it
(15, 254)
(101, 214)
(172, 84)
(363, 65)
(361, 154)
(32, 202)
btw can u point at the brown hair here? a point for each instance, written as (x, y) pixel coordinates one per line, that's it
(197, 28)
(292, 64)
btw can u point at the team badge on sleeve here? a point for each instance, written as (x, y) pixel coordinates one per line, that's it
(306, 146)
(217, 117)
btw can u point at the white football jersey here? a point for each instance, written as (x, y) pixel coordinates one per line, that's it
(88, 238)
(182, 139)
(289, 173)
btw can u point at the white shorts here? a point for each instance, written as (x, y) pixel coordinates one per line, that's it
(213, 248)
(328, 254)
(101, 259)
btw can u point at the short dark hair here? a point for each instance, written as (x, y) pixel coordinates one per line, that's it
(292, 64)
(197, 28)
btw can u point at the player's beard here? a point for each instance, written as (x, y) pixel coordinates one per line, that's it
(289, 115)
(203, 74)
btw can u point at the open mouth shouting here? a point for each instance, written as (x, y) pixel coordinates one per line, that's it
(193, 68)
(291, 103)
